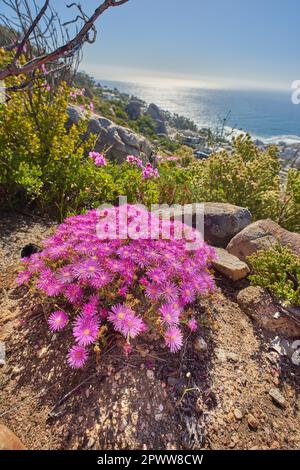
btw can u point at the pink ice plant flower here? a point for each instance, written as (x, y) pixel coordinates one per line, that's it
(86, 328)
(169, 314)
(77, 357)
(83, 269)
(57, 320)
(173, 339)
(192, 324)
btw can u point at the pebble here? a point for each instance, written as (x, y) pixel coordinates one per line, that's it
(277, 397)
(221, 355)
(150, 374)
(158, 417)
(238, 414)
(90, 443)
(231, 356)
(200, 344)
(252, 422)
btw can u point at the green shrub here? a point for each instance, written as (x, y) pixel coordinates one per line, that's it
(278, 270)
(249, 177)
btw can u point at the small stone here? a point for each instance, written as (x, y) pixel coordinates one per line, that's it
(230, 266)
(252, 422)
(275, 445)
(231, 356)
(238, 414)
(200, 344)
(150, 374)
(172, 381)
(158, 416)
(277, 397)
(90, 443)
(221, 355)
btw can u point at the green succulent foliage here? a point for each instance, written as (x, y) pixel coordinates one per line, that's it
(278, 270)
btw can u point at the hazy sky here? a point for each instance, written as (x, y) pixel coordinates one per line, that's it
(223, 43)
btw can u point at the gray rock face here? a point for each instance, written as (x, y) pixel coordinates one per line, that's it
(116, 141)
(223, 221)
(134, 109)
(260, 235)
(159, 118)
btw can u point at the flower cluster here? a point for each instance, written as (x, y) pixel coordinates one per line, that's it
(99, 159)
(108, 269)
(147, 171)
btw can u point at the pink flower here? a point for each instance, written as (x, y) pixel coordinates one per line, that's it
(192, 324)
(188, 293)
(91, 106)
(57, 320)
(134, 160)
(173, 339)
(77, 357)
(98, 158)
(85, 329)
(73, 293)
(64, 275)
(125, 321)
(100, 161)
(170, 316)
(23, 277)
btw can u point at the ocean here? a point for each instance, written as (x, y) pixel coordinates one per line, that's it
(269, 116)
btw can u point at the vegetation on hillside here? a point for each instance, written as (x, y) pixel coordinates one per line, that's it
(278, 270)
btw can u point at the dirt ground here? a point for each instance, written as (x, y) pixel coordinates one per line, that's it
(213, 395)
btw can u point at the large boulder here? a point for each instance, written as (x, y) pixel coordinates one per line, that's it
(8, 440)
(260, 235)
(158, 116)
(115, 140)
(221, 221)
(258, 304)
(134, 109)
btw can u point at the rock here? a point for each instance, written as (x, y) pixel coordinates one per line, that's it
(238, 414)
(230, 266)
(119, 140)
(231, 356)
(158, 416)
(221, 354)
(261, 307)
(134, 109)
(200, 344)
(277, 397)
(91, 443)
(150, 374)
(221, 221)
(155, 112)
(259, 235)
(29, 250)
(8, 440)
(252, 422)
(159, 118)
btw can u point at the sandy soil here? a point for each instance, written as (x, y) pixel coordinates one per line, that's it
(213, 395)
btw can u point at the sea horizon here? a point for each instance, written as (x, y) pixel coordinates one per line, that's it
(268, 115)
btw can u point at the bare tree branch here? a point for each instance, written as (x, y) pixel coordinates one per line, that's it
(39, 54)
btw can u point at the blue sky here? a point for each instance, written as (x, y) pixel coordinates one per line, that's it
(218, 43)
